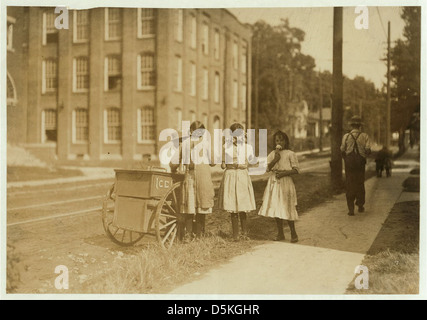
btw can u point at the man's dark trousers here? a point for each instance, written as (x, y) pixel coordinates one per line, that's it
(355, 185)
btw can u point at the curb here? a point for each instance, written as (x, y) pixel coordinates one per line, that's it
(36, 183)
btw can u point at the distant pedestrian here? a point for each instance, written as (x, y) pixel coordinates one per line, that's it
(236, 194)
(280, 198)
(355, 147)
(383, 161)
(198, 191)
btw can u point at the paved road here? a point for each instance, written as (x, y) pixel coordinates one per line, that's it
(26, 205)
(58, 225)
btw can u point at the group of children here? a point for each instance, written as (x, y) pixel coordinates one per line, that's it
(236, 194)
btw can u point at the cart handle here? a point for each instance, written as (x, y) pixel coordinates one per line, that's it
(158, 169)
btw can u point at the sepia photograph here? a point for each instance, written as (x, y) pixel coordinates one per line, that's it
(177, 152)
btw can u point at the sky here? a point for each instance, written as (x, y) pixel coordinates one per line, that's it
(362, 49)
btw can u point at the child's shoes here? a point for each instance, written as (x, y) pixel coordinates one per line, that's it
(279, 238)
(294, 239)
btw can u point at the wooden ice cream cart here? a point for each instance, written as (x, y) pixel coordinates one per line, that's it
(143, 202)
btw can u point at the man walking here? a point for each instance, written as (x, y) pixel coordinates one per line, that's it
(355, 147)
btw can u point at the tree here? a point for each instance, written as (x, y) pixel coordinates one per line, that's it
(283, 72)
(283, 76)
(361, 98)
(405, 58)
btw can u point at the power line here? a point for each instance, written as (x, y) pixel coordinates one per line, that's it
(352, 61)
(382, 24)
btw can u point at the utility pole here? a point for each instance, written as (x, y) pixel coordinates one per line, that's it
(320, 113)
(388, 125)
(226, 87)
(256, 84)
(337, 104)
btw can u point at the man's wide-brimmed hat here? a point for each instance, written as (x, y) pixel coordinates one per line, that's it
(356, 120)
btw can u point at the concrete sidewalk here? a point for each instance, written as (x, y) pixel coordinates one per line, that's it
(331, 245)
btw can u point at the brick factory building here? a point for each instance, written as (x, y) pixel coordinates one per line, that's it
(104, 88)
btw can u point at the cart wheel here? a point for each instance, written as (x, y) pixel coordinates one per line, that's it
(167, 215)
(118, 235)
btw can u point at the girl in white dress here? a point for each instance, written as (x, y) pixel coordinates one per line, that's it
(236, 193)
(280, 198)
(197, 187)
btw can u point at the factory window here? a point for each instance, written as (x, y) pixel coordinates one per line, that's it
(217, 87)
(11, 92)
(80, 74)
(235, 94)
(205, 84)
(9, 35)
(113, 73)
(48, 122)
(178, 73)
(146, 125)
(50, 33)
(205, 38)
(244, 58)
(49, 75)
(80, 126)
(193, 79)
(243, 97)
(112, 125)
(235, 55)
(146, 22)
(193, 31)
(216, 44)
(81, 26)
(113, 24)
(179, 24)
(146, 71)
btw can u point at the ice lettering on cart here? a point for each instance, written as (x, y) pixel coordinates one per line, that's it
(162, 184)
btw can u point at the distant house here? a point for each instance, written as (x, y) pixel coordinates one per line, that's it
(299, 119)
(304, 126)
(297, 125)
(313, 123)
